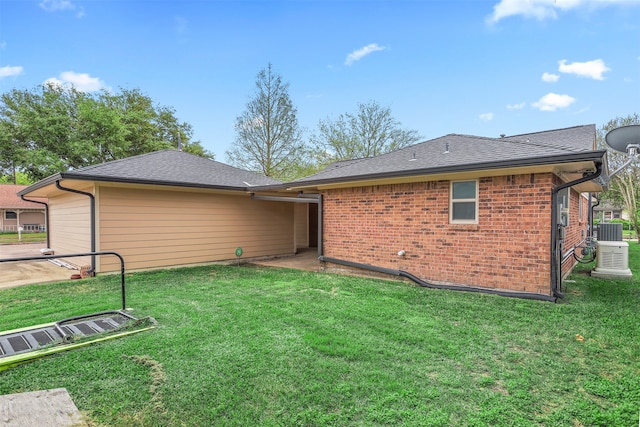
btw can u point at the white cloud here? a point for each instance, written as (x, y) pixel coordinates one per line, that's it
(58, 5)
(545, 9)
(9, 71)
(553, 101)
(528, 8)
(81, 81)
(592, 69)
(486, 117)
(181, 24)
(357, 55)
(519, 106)
(550, 78)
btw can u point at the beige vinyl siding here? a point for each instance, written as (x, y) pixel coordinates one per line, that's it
(302, 225)
(70, 226)
(156, 228)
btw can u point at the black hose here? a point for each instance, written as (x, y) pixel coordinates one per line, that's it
(422, 283)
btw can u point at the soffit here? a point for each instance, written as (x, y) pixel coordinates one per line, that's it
(567, 171)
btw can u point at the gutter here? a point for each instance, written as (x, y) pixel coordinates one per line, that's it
(46, 215)
(92, 203)
(300, 199)
(556, 242)
(593, 156)
(424, 284)
(70, 175)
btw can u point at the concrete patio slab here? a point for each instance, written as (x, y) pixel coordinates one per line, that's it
(28, 272)
(44, 408)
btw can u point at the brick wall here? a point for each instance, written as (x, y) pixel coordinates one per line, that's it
(578, 226)
(509, 248)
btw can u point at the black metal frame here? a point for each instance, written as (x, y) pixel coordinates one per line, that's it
(47, 257)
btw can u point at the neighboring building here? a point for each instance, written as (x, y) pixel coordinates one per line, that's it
(15, 212)
(605, 211)
(463, 212)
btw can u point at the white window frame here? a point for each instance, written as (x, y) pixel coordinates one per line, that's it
(581, 207)
(452, 201)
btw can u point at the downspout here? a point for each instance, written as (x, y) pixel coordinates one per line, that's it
(320, 228)
(46, 216)
(556, 262)
(592, 214)
(92, 204)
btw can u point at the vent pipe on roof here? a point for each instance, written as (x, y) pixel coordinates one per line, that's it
(179, 142)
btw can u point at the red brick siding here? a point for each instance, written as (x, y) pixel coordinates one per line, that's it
(508, 248)
(577, 229)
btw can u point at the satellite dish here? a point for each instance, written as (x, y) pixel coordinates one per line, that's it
(621, 138)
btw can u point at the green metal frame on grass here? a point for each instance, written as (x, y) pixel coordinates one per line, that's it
(12, 361)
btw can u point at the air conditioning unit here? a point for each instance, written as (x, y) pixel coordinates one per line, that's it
(612, 260)
(611, 232)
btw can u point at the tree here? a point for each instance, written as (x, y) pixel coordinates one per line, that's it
(55, 128)
(624, 187)
(268, 138)
(369, 132)
(20, 178)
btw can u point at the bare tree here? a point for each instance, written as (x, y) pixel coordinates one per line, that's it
(268, 140)
(624, 187)
(369, 132)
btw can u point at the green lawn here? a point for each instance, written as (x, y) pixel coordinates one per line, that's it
(10, 237)
(245, 346)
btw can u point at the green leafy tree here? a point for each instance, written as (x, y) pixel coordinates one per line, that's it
(20, 178)
(55, 128)
(369, 132)
(624, 187)
(268, 137)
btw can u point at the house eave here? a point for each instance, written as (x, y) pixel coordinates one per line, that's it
(92, 178)
(582, 161)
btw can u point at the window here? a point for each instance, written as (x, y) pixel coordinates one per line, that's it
(463, 208)
(10, 215)
(563, 206)
(580, 208)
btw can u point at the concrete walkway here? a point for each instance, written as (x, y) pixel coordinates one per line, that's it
(44, 408)
(305, 259)
(28, 272)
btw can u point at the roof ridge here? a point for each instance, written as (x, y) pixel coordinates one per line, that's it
(542, 144)
(550, 130)
(90, 167)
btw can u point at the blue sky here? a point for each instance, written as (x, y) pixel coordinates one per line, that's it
(471, 67)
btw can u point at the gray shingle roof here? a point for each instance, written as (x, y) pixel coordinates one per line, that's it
(462, 151)
(166, 167)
